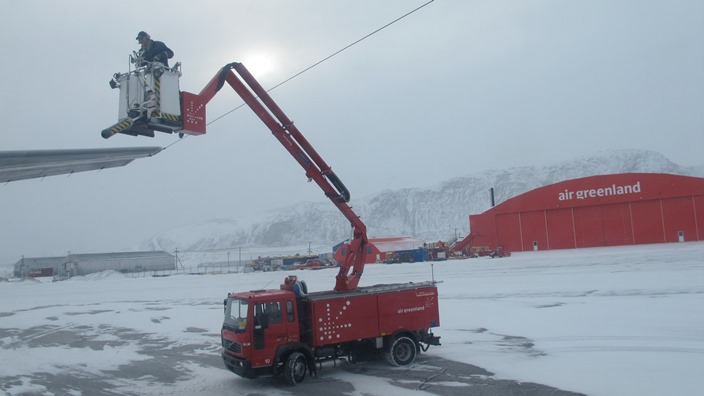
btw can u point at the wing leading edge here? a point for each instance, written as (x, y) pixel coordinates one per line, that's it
(31, 164)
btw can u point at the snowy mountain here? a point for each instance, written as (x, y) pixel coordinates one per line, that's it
(437, 212)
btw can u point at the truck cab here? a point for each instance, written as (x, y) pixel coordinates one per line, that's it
(259, 330)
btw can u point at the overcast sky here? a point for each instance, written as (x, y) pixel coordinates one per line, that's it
(457, 87)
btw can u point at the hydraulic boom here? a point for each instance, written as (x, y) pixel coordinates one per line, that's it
(192, 121)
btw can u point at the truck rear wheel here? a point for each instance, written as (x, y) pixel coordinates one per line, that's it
(401, 352)
(295, 368)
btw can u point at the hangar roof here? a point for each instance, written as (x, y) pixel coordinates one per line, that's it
(396, 244)
(603, 190)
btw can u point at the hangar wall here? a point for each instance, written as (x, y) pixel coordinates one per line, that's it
(607, 210)
(88, 263)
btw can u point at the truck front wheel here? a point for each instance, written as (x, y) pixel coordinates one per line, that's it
(295, 368)
(401, 352)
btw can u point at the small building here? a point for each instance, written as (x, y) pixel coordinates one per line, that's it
(83, 264)
(606, 210)
(379, 250)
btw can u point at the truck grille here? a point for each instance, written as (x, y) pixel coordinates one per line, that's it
(234, 347)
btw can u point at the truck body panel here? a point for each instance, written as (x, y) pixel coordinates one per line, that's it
(373, 311)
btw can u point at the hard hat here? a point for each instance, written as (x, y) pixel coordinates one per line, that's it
(142, 34)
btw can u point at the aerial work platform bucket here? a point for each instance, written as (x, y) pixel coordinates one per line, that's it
(150, 100)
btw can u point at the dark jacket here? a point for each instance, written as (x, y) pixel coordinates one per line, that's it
(159, 52)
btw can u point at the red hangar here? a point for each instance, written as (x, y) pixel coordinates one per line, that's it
(606, 210)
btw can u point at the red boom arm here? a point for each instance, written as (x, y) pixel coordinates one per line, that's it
(316, 169)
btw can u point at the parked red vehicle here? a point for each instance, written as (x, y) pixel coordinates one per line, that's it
(315, 264)
(499, 252)
(273, 332)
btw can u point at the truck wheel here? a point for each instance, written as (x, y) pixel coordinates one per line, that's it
(401, 352)
(295, 368)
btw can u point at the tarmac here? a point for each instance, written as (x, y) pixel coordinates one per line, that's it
(168, 367)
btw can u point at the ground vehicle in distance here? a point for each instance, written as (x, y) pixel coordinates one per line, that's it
(499, 252)
(315, 264)
(276, 332)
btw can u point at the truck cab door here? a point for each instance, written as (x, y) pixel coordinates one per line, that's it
(260, 324)
(270, 327)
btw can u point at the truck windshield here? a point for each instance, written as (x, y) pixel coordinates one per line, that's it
(236, 315)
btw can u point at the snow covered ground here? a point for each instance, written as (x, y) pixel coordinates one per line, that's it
(602, 321)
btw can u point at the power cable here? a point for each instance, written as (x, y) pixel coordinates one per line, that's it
(330, 56)
(317, 63)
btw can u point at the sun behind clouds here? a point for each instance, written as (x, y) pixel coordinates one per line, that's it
(260, 64)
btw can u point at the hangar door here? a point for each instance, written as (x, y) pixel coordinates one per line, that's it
(508, 231)
(647, 222)
(534, 231)
(560, 228)
(680, 223)
(617, 225)
(588, 226)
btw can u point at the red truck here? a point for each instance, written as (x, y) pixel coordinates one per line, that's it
(278, 332)
(272, 332)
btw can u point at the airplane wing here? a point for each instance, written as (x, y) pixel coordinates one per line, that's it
(30, 164)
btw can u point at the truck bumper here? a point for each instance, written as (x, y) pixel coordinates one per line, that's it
(430, 339)
(243, 368)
